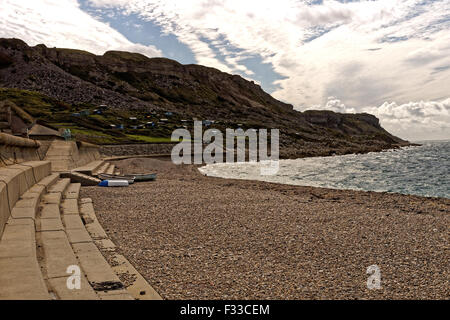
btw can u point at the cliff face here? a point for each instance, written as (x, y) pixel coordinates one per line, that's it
(133, 82)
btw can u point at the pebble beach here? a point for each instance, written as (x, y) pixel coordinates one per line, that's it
(198, 237)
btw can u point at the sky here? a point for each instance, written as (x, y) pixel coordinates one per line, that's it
(390, 58)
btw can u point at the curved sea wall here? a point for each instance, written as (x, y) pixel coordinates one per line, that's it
(136, 149)
(87, 152)
(16, 150)
(67, 155)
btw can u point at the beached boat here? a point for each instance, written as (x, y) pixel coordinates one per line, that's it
(144, 177)
(105, 176)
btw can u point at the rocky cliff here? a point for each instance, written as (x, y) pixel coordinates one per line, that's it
(134, 84)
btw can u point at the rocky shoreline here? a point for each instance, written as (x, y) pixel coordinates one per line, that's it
(286, 152)
(150, 97)
(197, 237)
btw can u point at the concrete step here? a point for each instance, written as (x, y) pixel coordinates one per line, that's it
(18, 183)
(57, 261)
(57, 256)
(138, 288)
(58, 253)
(70, 215)
(102, 169)
(35, 250)
(20, 276)
(21, 279)
(90, 220)
(99, 273)
(111, 169)
(59, 286)
(54, 198)
(77, 177)
(60, 186)
(49, 181)
(39, 169)
(27, 206)
(89, 168)
(50, 231)
(49, 218)
(72, 191)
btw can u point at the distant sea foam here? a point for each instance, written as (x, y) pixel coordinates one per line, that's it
(422, 170)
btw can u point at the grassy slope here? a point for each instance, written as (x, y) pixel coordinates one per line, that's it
(91, 128)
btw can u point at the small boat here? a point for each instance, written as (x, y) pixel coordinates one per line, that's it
(113, 183)
(144, 177)
(112, 177)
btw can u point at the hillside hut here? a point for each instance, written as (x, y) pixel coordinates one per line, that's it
(40, 132)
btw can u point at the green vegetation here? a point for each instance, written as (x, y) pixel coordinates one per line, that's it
(34, 103)
(94, 128)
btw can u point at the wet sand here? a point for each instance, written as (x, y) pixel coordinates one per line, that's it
(197, 237)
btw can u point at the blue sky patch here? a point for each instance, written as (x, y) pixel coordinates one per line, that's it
(138, 30)
(143, 32)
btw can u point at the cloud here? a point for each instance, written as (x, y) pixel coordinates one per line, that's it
(61, 23)
(363, 53)
(308, 43)
(430, 118)
(335, 105)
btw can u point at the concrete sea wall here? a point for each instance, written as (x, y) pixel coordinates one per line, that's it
(136, 149)
(67, 155)
(16, 150)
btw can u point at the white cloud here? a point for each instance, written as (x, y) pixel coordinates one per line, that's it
(429, 118)
(363, 53)
(61, 23)
(335, 105)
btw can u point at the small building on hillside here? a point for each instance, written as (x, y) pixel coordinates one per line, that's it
(40, 132)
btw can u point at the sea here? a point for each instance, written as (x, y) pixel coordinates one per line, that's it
(416, 170)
